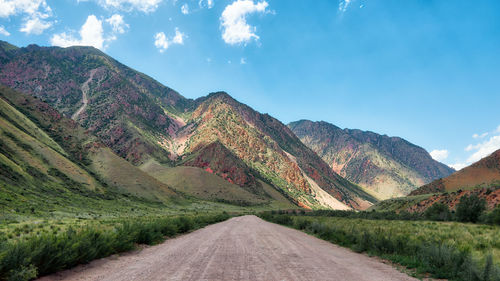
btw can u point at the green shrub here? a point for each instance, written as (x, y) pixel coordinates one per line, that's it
(50, 252)
(426, 254)
(493, 217)
(23, 273)
(470, 208)
(438, 212)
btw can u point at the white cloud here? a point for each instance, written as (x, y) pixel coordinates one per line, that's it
(458, 166)
(36, 13)
(179, 37)
(344, 4)
(30, 7)
(185, 9)
(3, 31)
(206, 4)
(91, 34)
(477, 136)
(235, 29)
(145, 6)
(117, 23)
(483, 149)
(439, 155)
(163, 43)
(35, 26)
(243, 61)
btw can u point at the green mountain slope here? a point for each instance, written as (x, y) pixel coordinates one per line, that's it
(49, 162)
(387, 166)
(126, 109)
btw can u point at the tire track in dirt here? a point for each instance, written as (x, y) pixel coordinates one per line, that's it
(242, 248)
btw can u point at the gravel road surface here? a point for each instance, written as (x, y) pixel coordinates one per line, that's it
(242, 248)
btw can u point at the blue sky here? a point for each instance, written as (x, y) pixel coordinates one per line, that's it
(423, 70)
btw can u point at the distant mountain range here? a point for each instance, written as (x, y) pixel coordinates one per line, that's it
(167, 136)
(386, 166)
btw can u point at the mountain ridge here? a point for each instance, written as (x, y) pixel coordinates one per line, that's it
(142, 120)
(388, 166)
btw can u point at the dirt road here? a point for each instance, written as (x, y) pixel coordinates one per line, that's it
(242, 248)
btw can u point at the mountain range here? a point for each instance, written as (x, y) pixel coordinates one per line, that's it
(386, 166)
(156, 129)
(120, 124)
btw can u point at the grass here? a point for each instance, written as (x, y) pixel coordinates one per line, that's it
(51, 249)
(450, 250)
(196, 182)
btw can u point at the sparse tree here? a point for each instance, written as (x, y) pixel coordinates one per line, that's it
(438, 212)
(470, 208)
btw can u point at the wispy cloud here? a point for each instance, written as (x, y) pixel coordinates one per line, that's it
(185, 9)
(235, 29)
(486, 143)
(206, 4)
(35, 25)
(483, 149)
(36, 14)
(344, 4)
(479, 136)
(117, 23)
(3, 31)
(145, 6)
(162, 43)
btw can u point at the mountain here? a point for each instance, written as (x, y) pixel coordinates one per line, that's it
(386, 166)
(124, 108)
(481, 178)
(163, 133)
(49, 162)
(231, 139)
(484, 173)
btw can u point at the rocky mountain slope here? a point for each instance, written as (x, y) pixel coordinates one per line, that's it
(387, 166)
(126, 109)
(481, 178)
(151, 125)
(484, 173)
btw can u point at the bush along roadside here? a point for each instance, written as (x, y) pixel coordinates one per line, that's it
(438, 259)
(48, 253)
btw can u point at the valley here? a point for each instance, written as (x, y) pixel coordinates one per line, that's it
(98, 157)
